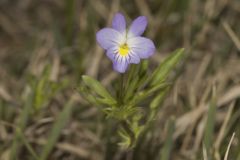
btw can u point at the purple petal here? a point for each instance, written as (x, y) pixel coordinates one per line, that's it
(137, 27)
(112, 52)
(108, 37)
(134, 58)
(120, 64)
(119, 23)
(141, 46)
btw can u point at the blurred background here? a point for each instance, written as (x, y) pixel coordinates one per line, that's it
(47, 45)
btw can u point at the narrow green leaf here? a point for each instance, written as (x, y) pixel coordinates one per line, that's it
(85, 93)
(96, 86)
(162, 72)
(166, 150)
(144, 67)
(135, 80)
(158, 99)
(131, 88)
(105, 101)
(56, 130)
(120, 113)
(209, 127)
(21, 126)
(126, 140)
(70, 13)
(144, 94)
(28, 146)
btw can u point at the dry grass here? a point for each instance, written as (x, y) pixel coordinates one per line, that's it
(35, 34)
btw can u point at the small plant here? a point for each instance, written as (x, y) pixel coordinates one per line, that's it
(123, 45)
(127, 46)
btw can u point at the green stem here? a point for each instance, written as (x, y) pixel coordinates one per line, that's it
(124, 123)
(121, 90)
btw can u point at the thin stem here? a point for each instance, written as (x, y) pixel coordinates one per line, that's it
(121, 90)
(124, 123)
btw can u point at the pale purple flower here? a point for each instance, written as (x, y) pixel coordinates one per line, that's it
(125, 45)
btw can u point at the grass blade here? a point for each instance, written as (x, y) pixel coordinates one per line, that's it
(56, 130)
(165, 152)
(209, 127)
(21, 126)
(228, 148)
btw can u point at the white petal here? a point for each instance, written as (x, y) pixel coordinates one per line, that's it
(143, 47)
(108, 38)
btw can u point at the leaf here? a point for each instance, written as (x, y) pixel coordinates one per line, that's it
(166, 150)
(56, 130)
(126, 139)
(85, 93)
(158, 99)
(120, 113)
(146, 93)
(24, 117)
(209, 128)
(130, 89)
(44, 89)
(105, 101)
(27, 144)
(162, 72)
(137, 129)
(135, 80)
(96, 87)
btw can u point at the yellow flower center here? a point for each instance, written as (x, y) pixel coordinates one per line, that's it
(123, 50)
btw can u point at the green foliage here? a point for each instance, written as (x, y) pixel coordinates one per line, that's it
(56, 130)
(24, 116)
(162, 72)
(44, 89)
(32, 32)
(98, 89)
(165, 152)
(133, 89)
(210, 123)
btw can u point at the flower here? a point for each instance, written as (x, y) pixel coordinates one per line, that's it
(124, 46)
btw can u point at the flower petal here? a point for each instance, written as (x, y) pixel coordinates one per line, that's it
(137, 27)
(134, 58)
(112, 52)
(141, 46)
(120, 63)
(119, 23)
(108, 37)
